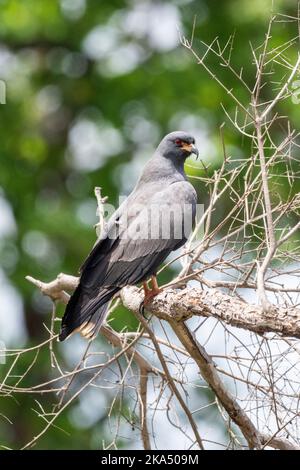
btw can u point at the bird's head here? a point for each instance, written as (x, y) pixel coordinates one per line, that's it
(178, 145)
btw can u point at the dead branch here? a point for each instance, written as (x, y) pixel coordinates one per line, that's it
(182, 304)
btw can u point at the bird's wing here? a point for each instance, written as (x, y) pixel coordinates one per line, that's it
(107, 239)
(144, 238)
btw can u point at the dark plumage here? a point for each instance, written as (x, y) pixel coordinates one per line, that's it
(132, 249)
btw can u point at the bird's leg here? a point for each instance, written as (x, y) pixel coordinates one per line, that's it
(155, 289)
(146, 288)
(149, 293)
(146, 294)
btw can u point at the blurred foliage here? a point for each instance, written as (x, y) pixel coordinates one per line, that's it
(92, 86)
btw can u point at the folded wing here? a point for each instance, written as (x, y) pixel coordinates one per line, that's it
(137, 242)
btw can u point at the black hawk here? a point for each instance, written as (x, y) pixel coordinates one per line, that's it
(143, 231)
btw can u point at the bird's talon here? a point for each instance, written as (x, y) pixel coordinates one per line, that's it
(142, 308)
(144, 315)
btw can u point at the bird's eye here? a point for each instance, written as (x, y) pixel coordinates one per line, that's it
(178, 142)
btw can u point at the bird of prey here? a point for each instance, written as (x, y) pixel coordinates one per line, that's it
(142, 232)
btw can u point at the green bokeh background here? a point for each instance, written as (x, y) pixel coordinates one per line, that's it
(90, 92)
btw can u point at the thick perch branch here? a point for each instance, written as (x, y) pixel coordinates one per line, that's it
(180, 305)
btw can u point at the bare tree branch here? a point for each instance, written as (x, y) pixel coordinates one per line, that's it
(245, 246)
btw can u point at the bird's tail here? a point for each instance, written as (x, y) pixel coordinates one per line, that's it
(84, 314)
(90, 328)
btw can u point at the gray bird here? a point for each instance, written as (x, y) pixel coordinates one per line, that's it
(143, 231)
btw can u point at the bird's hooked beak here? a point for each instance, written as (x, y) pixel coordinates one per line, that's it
(191, 148)
(195, 150)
